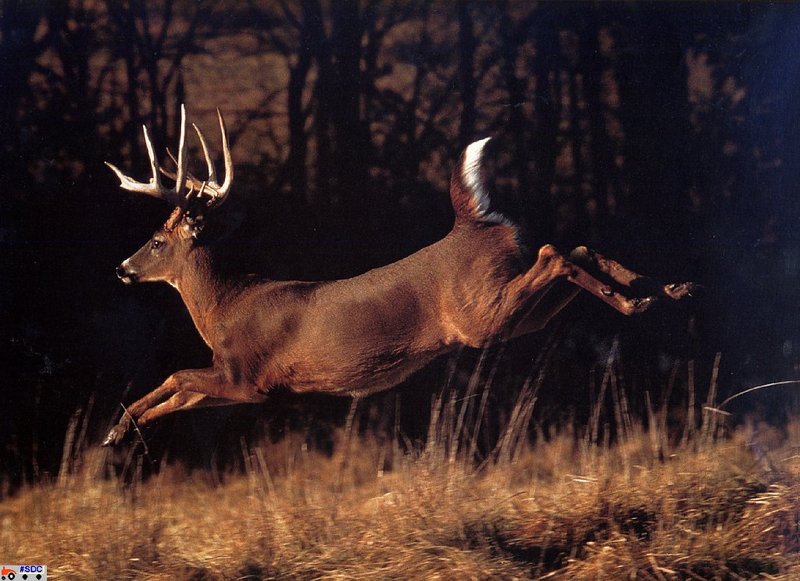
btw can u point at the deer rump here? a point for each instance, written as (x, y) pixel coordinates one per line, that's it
(364, 334)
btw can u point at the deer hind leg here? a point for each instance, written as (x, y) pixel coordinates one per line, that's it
(623, 276)
(208, 382)
(529, 292)
(537, 315)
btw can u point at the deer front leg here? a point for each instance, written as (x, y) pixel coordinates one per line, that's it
(208, 382)
(183, 400)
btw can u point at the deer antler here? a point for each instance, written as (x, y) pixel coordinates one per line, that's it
(217, 193)
(176, 195)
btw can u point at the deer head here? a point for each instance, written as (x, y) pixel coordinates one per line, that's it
(160, 259)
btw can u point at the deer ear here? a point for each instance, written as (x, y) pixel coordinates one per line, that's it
(193, 226)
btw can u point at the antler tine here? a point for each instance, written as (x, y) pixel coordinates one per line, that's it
(151, 188)
(191, 179)
(186, 185)
(225, 188)
(218, 193)
(151, 153)
(212, 172)
(180, 178)
(154, 187)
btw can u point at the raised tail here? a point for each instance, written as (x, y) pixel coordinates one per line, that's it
(468, 189)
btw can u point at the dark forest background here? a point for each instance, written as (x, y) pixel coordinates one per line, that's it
(665, 135)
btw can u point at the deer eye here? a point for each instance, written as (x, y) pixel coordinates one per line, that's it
(156, 244)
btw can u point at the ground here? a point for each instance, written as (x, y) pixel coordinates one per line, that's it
(712, 503)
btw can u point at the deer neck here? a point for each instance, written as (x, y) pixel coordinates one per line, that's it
(202, 288)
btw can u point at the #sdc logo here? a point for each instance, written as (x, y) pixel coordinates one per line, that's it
(23, 572)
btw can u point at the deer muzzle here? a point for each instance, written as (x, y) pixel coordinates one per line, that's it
(126, 274)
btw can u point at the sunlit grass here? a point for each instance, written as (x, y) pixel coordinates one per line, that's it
(705, 506)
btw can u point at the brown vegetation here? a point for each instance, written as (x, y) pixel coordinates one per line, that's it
(566, 507)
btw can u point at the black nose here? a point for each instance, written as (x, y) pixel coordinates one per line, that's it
(126, 275)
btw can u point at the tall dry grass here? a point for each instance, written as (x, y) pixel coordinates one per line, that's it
(701, 505)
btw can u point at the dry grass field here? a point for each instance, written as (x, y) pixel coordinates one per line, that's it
(711, 503)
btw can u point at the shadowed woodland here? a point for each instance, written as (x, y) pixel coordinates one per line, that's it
(665, 135)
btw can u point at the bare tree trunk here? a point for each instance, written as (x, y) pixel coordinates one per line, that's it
(298, 149)
(544, 142)
(517, 123)
(466, 68)
(323, 95)
(18, 54)
(351, 140)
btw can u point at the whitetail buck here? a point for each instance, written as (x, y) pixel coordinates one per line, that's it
(364, 334)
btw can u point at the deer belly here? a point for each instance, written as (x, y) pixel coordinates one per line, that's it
(359, 359)
(363, 344)
(360, 376)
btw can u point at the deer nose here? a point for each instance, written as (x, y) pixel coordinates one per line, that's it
(125, 275)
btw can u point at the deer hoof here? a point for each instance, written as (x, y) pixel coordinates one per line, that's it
(696, 291)
(678, 291)
(115, 435)
(640, 305)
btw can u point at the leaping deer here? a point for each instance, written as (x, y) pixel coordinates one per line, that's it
(364, 334)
